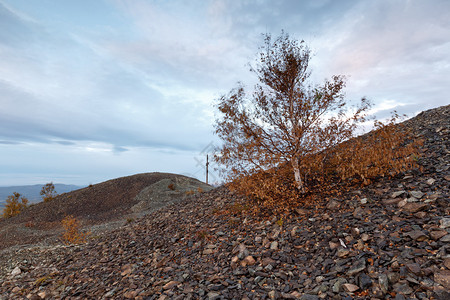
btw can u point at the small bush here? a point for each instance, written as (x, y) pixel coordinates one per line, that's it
(190, 192)
(48, 192)
(200, 190)
(14, 206)
(72, 233)
(383, 152)
(29, 224)
(171, 187)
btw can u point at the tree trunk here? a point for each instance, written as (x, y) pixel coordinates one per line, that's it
(297, 175)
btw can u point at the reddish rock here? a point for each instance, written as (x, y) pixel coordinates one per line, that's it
(443, 278)
(447, 263)
(171, 284)
(437, 234)
(414, 268)
(417, 235)
(249, 260)
(351, 288)
(414, 207)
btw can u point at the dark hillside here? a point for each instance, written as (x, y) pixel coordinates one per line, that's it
(387, 240)
(104, 202)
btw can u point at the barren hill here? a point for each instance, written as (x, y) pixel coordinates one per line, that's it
(96, 204)
(388, 240)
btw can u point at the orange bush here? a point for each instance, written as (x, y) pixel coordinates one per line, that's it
(14, 206)
(72, 233)
(48, 192)
(383, 152)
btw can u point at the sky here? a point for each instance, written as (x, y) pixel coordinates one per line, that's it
(92, 90)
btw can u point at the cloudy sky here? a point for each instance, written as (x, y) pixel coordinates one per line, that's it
(92, 90)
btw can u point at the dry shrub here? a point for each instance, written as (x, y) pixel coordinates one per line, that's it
(190, 192)
(29, 224)
(15, 203)
(200, 190)
(273, 191)
(386, 151)
(48, 192)
(72, 233)
(171, 186)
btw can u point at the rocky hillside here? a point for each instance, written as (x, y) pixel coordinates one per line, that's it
(109, 201)
(389, 240)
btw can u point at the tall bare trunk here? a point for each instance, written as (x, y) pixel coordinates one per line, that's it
(297, 175)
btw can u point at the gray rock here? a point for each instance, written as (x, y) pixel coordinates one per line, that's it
(416, 194)
(213, 296)
(397, 194)
(403, 288)
(16, 271)
(445, 223)
(359, 266)
(309, 297)
(445, 239)
(274, 245)
(364, 281)
(430, 181)
(337, 286)
(384, 282)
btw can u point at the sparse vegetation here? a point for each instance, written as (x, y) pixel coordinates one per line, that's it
(29, 224)
(48, 192)
(72, 233)
(286, 118)
(171, 187)
(190, 192)
(383, 152)
(290, 137)
(15, 203)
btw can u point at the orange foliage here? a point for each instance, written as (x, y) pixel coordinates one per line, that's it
(290, 138)
(72, 233)
(14, 206)
(386, 151)
(286, 118)
(48, 192)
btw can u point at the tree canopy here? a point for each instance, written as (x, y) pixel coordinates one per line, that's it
(285, 117)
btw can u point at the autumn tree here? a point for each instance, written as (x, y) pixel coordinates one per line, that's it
(72, 233)
(48, 192)
(286, 117)
(15, 203)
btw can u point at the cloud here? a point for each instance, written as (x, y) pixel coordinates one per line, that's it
(391, 48)
(86, 95)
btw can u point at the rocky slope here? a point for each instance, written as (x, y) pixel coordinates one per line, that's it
(389, 240)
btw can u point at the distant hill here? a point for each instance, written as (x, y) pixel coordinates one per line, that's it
(32, 192)
(100, 203)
